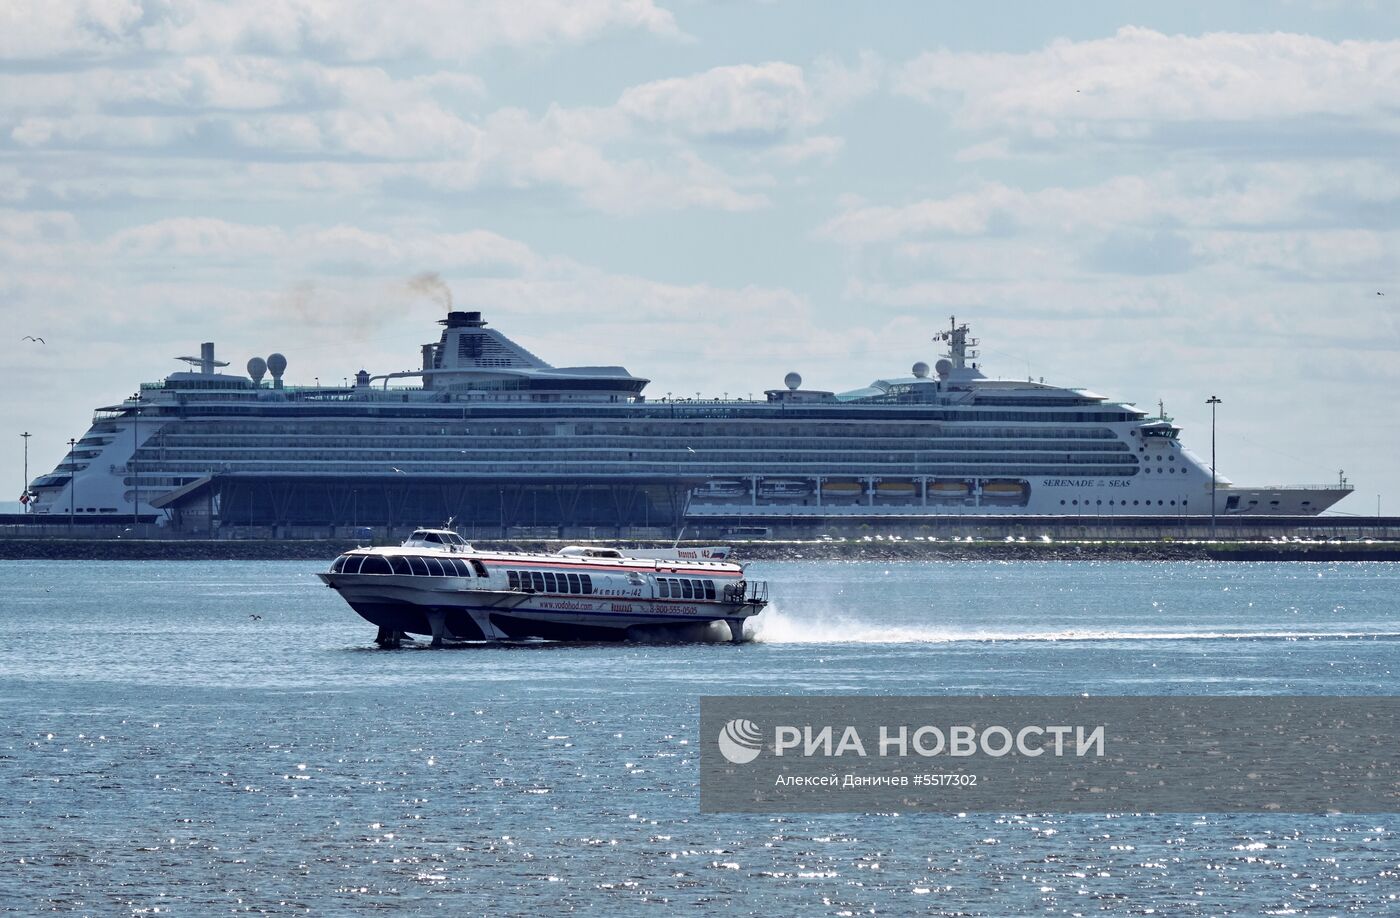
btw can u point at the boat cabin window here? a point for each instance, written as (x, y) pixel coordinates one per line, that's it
(685, 589)
(587, 582)
(478, 567)
(663, 588)
(513, 580)
(338, 565)
(549, 584)
(352, 564)
(374, 564)
(538, 580)
(418, 566)
(574, 585)
(709, 589)
(399, 564)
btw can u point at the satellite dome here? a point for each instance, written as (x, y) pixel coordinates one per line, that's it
(256, 368)
(276, 365)
(921, 370)
(944, 367)
(792, 381)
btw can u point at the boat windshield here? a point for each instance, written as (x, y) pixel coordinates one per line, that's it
(436, 537)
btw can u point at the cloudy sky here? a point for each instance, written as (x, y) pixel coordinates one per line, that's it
(1155, 201)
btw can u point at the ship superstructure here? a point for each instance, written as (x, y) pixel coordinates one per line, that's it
(491, 433)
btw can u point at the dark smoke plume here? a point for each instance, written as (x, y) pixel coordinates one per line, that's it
(431, 285)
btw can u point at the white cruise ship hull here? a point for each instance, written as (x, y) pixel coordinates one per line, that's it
(494, 436)
(1042, 497)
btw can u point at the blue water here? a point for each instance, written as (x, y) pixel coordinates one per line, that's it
(163, 749)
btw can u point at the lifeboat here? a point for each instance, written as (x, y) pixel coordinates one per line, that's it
(895, 489)
(949, 489)
(842, 489)
(1009, 489)
(722, 488)
(784, 488)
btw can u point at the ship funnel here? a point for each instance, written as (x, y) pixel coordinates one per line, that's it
(257, 368)
(276, 365)
(206, 357)
(461, 319)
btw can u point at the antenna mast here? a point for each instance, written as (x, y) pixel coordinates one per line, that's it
(960, 343)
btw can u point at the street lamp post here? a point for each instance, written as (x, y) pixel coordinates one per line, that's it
(24, 494)
(72, 484)
(1212, 402)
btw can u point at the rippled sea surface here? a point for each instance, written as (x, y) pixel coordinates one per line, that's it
(222, 737)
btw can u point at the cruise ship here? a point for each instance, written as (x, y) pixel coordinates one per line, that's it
(491, 434)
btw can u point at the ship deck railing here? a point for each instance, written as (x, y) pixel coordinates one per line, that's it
(1332, 486)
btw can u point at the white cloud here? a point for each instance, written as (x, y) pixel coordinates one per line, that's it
(823, 147)
(362, 126)
(746, 101)
(1137, 83)
(330, 296)
(750, 102)
(355, 31)
(1190, 196)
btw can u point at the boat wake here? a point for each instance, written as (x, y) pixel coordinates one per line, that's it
(776, 627)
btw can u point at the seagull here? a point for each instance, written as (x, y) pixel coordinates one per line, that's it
(397, 470)
(34, 339)
(256, 618)
(689, 450)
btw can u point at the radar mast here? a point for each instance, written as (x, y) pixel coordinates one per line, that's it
(960, 344)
